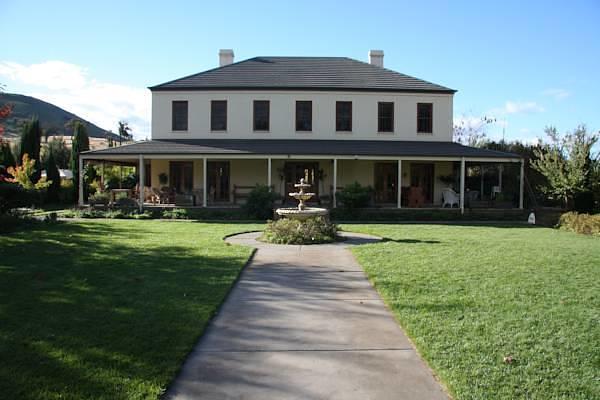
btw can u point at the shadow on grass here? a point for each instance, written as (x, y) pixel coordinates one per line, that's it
(96, 311)
(410, 241)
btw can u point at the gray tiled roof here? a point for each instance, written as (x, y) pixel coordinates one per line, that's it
(302, 73)
(302, 147)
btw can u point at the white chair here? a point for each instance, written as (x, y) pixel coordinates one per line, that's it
(450, 197)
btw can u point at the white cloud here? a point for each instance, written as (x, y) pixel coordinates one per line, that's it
(519, 107)
(69, 86)
(515, 107)
(557, 94)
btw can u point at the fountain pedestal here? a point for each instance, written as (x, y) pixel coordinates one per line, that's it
(302, 212)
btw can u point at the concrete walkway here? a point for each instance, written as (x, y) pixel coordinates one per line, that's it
(303, 322)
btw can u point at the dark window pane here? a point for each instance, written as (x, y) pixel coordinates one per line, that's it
(218, 115)
(179, 120)
(425, 117)
(304, 115)
(385, 117)
(343, 116)
(261, 115)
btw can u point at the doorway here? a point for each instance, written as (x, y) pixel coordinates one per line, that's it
(294, 171)
(386, 180)
(182, 176)
(421, 175)
(217, 175)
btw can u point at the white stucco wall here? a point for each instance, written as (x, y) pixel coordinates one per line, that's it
(283, 109)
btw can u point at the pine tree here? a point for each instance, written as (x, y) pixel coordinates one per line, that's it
(80, 143)
(6, 156)
(30, 144)
(52, 174)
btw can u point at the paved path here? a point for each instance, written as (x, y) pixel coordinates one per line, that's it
(303, 322)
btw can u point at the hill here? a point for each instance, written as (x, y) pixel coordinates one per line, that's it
(52, 118)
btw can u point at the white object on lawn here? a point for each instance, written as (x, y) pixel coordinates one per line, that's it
(531, 219)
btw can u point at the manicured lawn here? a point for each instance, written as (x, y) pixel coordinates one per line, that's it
(470, 296)
(108, 309)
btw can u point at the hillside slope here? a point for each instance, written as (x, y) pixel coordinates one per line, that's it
(52, 118)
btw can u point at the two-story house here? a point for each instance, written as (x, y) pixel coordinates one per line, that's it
(330, 120)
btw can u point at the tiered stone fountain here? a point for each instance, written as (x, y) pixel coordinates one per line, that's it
(302, 212)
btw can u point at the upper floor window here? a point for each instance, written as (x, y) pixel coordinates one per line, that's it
(218, 115)
(385, 117)
(343, 116)
(179, 116)
(261, 115)
(304, 115)
(424, 117)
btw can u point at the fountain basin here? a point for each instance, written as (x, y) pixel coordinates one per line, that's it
(306, 213)
(302, 196)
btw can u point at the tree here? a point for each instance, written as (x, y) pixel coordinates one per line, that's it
(30, 144)
(124, 130)
(60, 152)
(471, 131)
(53, 176)
(80, 143)
(566, 162)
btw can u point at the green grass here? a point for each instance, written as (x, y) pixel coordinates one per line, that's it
(469, 296)
(108, 309)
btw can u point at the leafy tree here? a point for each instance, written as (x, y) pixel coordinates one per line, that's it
(6, 156)
(30, 144)
(60, 152)
(566, 162)
(22, 174)
(80, 143)
(53, 176)
(124, 130)
(472, 131)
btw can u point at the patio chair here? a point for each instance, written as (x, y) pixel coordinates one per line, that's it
(151, 195)
(450, 197)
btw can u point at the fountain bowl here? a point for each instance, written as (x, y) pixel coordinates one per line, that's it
(304, 214)
(301, 196)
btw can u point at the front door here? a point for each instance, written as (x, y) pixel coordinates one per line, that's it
(386, 180)
(421, 175)
(182, 176)
(217, 174)
(294, 171)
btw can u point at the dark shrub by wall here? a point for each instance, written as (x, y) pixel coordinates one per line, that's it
(260, 203)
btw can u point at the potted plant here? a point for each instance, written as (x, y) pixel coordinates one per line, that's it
(448, 180)
(163, 179)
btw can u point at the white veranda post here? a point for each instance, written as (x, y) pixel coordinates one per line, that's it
(269, 173)
(333, 195)
(141, 182)
(521, 183)
(462, 185)
(399, 183)
(204, 183)
(80, 192)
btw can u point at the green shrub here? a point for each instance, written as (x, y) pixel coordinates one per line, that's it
(14, 220)
(354, 196)
(99, 198)
(291, 231)
(580, 223)
(123, 200)
(13, 195)
(175, 213)
(66, 194)
(260, 203)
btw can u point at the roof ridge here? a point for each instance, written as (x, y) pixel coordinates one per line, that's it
(302, 72)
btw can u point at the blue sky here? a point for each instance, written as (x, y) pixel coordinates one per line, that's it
(528, 64)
